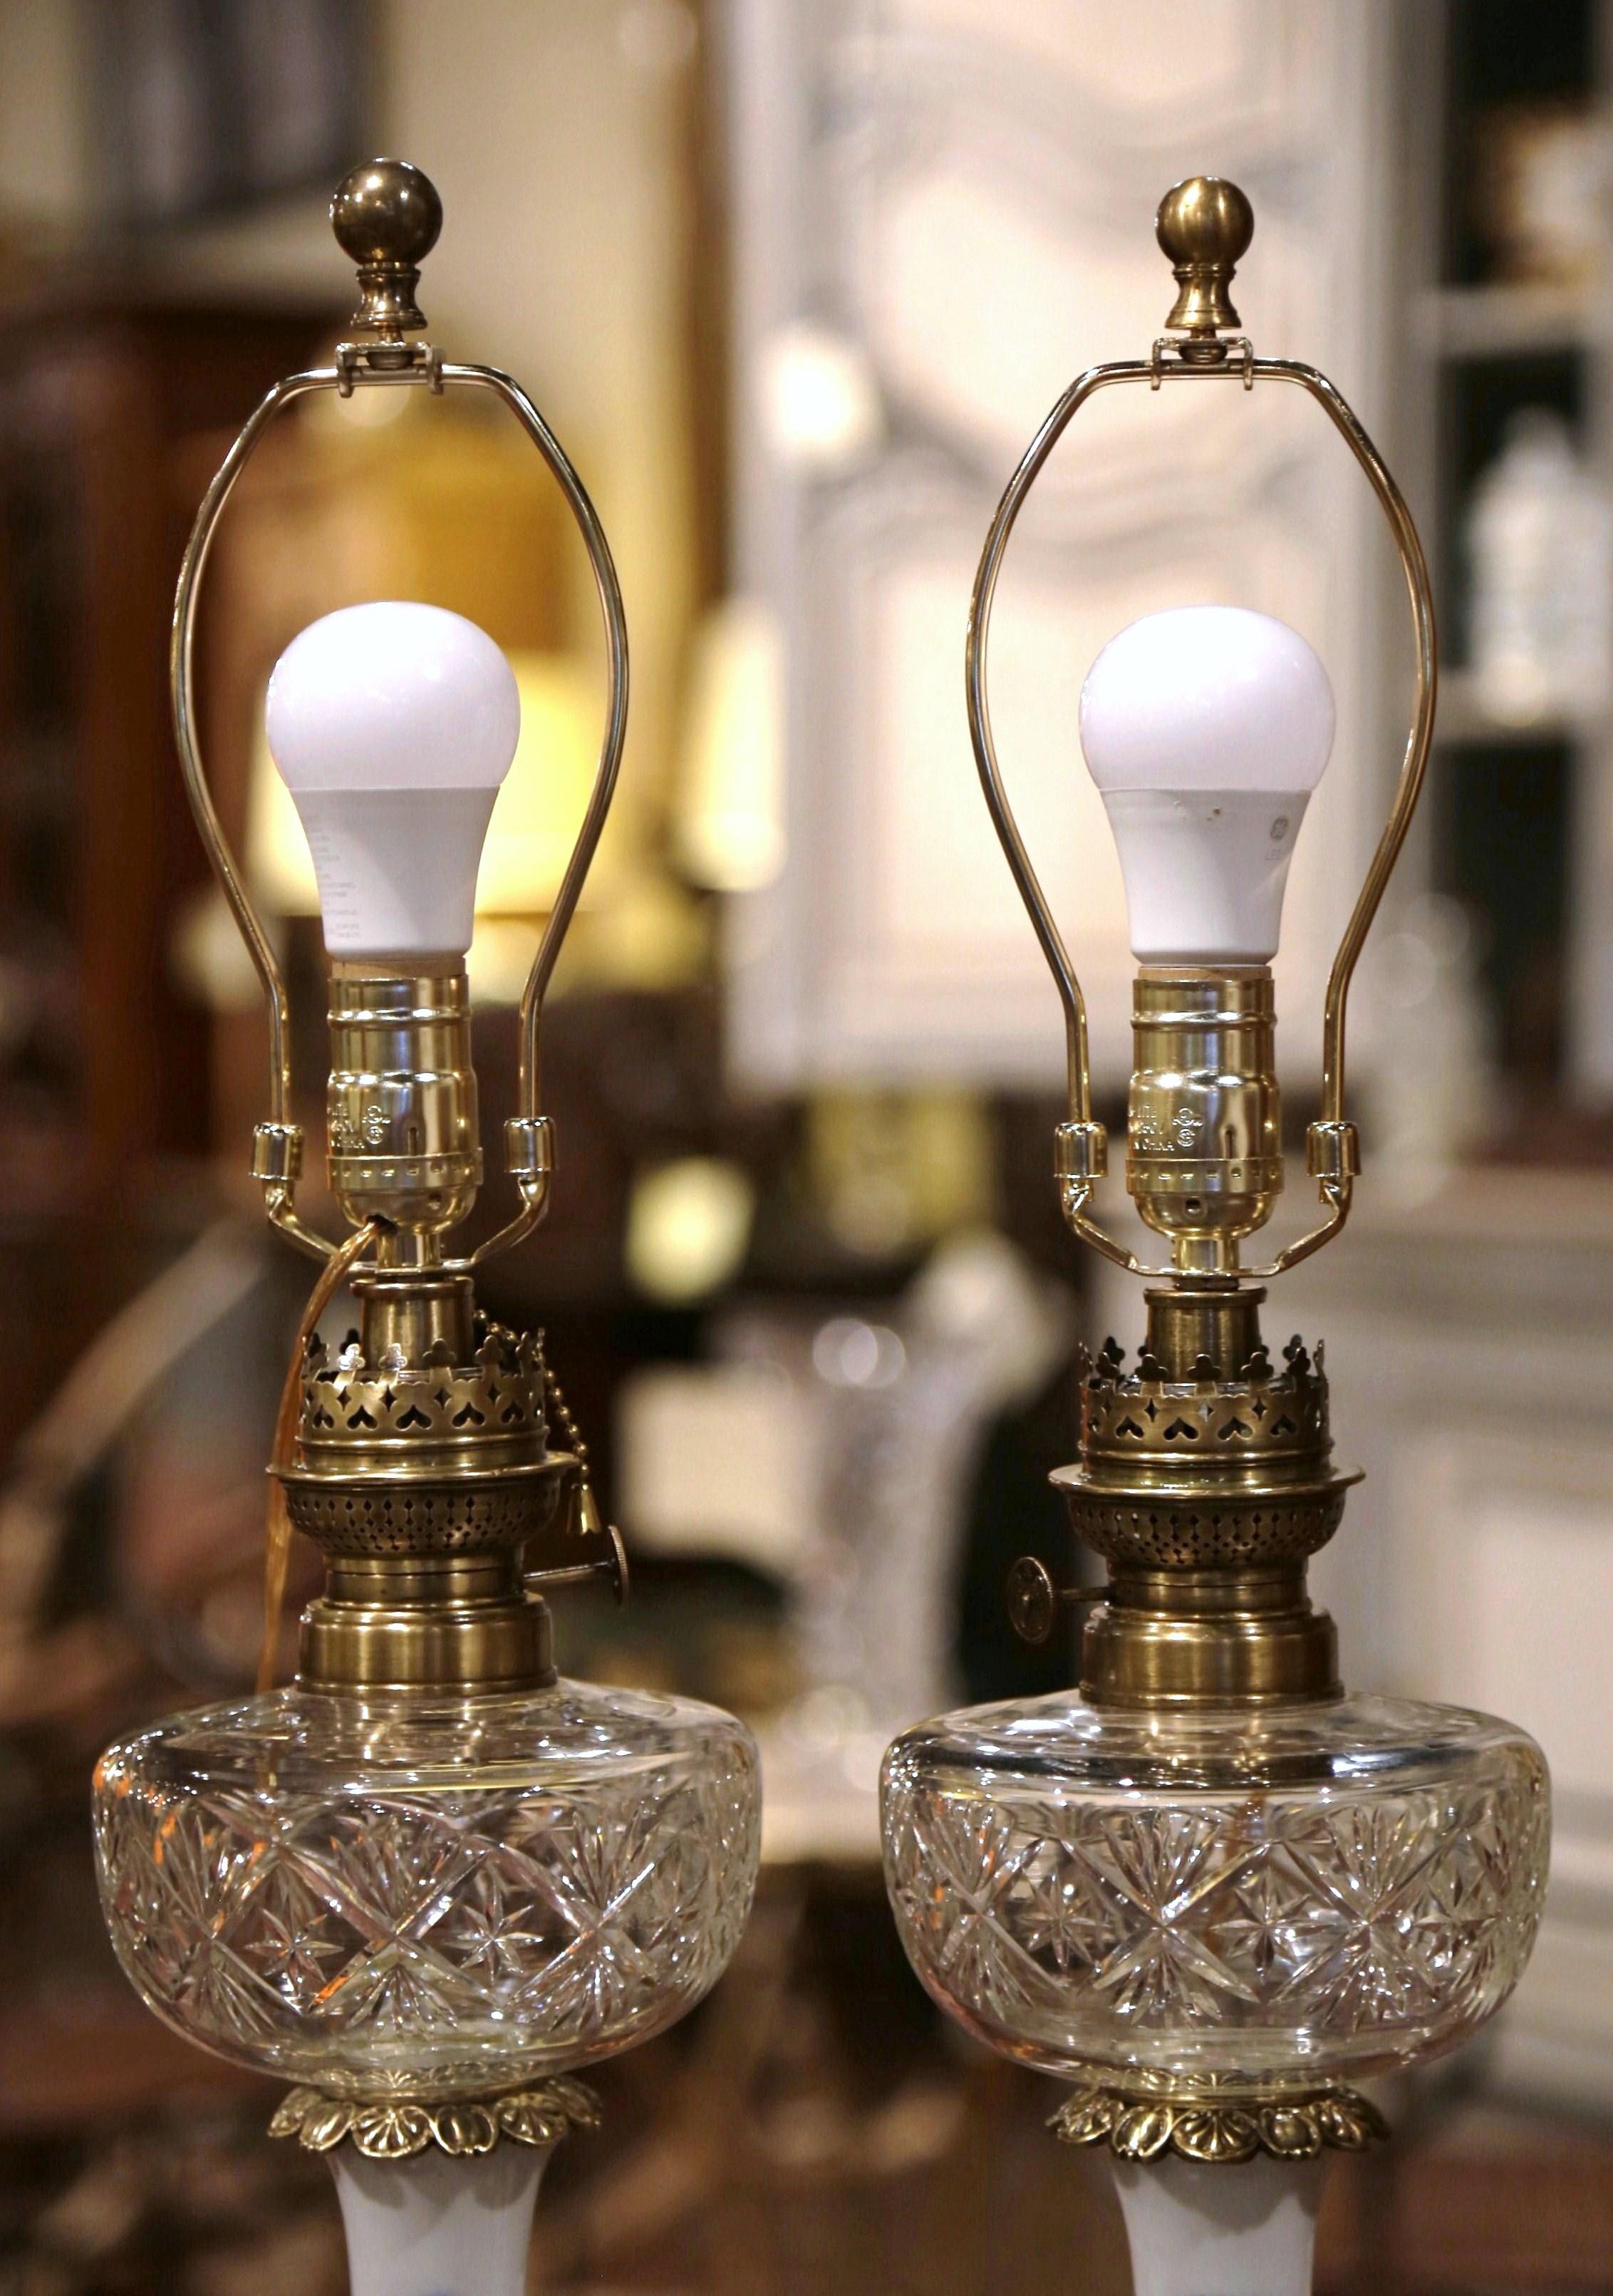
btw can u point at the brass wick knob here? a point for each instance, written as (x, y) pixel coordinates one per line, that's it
(386, 216)
(1204, 225)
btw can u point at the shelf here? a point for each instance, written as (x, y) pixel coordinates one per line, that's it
(1490, 322)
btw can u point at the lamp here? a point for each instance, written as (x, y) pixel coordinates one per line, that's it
(429, 1879)
(1209, 1889)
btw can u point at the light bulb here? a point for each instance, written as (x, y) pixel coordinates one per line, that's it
(1206, 728)
(393, 726)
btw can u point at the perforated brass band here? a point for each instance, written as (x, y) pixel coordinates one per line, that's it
(378, 1411)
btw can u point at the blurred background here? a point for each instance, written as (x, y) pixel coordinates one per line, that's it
(796, 280)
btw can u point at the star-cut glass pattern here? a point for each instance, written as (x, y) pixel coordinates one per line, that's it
(1341, 1888)
(431, 1897)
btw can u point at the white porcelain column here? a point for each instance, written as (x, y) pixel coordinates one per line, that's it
(432, 2225)
(1198, 2228)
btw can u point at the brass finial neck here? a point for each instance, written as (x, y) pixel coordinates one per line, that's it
(386, 216)
(1204, 225)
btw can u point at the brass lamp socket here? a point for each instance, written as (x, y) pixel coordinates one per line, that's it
(1204, 1159)
(403, 1137)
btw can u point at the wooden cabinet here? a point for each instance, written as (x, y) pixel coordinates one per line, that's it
(112, 415)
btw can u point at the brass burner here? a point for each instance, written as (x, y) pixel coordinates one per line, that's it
(1206, 1479)
(422, 1469)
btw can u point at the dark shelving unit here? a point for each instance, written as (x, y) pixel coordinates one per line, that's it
(1521, 818)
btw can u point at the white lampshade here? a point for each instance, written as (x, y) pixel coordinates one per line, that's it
(1206, 728)
(393, 726)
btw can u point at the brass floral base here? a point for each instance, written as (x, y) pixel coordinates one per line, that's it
(397, 2128)
(1295, 2126)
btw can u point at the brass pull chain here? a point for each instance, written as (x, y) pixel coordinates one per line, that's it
(278, 1548)
(592, 1528)
(587, 1506)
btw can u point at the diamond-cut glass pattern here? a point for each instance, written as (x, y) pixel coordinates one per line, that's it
(1325, 1893)
(411, 1896)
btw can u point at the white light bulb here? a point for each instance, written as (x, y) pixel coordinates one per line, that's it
(393, 726)
(1206, 728)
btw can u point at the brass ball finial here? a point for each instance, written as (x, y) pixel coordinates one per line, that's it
(386, 216)
(1204, 225)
